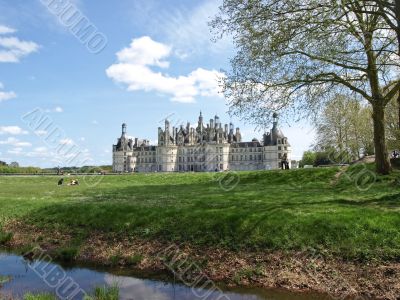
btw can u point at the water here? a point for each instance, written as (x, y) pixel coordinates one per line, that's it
(25, 276)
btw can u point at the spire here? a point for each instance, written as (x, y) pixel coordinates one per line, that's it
(275, 117)
(123, 129)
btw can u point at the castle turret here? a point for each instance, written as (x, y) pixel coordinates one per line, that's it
(123, 130)
(276, 133)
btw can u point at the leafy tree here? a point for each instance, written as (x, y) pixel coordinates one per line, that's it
(324, 158)
(14, 164)
(309, 158)
(345, 126)
(392, 127)
(297, 54)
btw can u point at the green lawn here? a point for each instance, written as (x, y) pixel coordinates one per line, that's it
(275, 210)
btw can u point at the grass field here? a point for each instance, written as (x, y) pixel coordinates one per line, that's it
(275, 210)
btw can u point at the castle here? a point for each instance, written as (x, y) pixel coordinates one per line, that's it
(206, 148)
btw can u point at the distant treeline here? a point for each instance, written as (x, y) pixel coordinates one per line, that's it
(4, 169)
(19, 170)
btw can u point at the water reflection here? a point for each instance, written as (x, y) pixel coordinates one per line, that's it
(24, 279)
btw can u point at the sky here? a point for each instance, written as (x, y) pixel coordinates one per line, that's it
(139, 62)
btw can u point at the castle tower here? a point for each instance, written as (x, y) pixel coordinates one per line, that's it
(124, 127)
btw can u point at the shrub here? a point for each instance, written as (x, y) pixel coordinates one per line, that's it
(5, 237)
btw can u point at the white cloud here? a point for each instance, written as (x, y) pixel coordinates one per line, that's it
(186, 28)
(40, 149)
(145, 52)
(57, 109)
(13, 130)
(17, 150)
(41, 132)
(134, 69)
(6, 95)
(15, 142)
(12, 49)
(66, 142)
(6, 30)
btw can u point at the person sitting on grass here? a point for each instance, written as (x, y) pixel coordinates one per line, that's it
(74, 182)
(61, 181)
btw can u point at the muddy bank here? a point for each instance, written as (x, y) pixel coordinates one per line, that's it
(296, 271)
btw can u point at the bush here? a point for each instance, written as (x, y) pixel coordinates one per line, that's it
(39, 297)
(395, 163)
(67, 254)
(104, 293)
(5, 237)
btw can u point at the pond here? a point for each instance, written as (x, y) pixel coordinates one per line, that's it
(19, 276)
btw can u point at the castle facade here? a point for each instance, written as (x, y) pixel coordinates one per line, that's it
(204, 148)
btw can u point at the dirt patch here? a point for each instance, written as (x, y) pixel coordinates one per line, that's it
(296, 271)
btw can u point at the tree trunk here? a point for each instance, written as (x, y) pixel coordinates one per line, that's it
(398, 104)
(397, 12)
(381, 153)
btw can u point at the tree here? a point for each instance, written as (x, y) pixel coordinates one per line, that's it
(345, 126)
(14, 164)
(297, 54)
(391, 13)
(392, 124)
(308, 159)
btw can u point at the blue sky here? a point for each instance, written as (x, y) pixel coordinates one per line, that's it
(158, 61)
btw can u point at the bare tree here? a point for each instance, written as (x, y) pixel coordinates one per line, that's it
(297, 54)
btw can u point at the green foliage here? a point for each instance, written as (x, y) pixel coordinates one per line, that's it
(66, 254)
(309, 158)
(100, 293)
(135, 260)
(19, 170)
(345, 126)
(296, 56)
(105, 293)
(395, 163)
(39, 297)
(4, 279)
(5, 237)
(323, 158)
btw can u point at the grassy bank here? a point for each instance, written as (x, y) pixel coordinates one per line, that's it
(100, 293)
(332, 230)
(295, 210)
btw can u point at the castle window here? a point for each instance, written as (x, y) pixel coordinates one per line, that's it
(279, 148)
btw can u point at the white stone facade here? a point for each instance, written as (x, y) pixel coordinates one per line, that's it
(207, 148)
